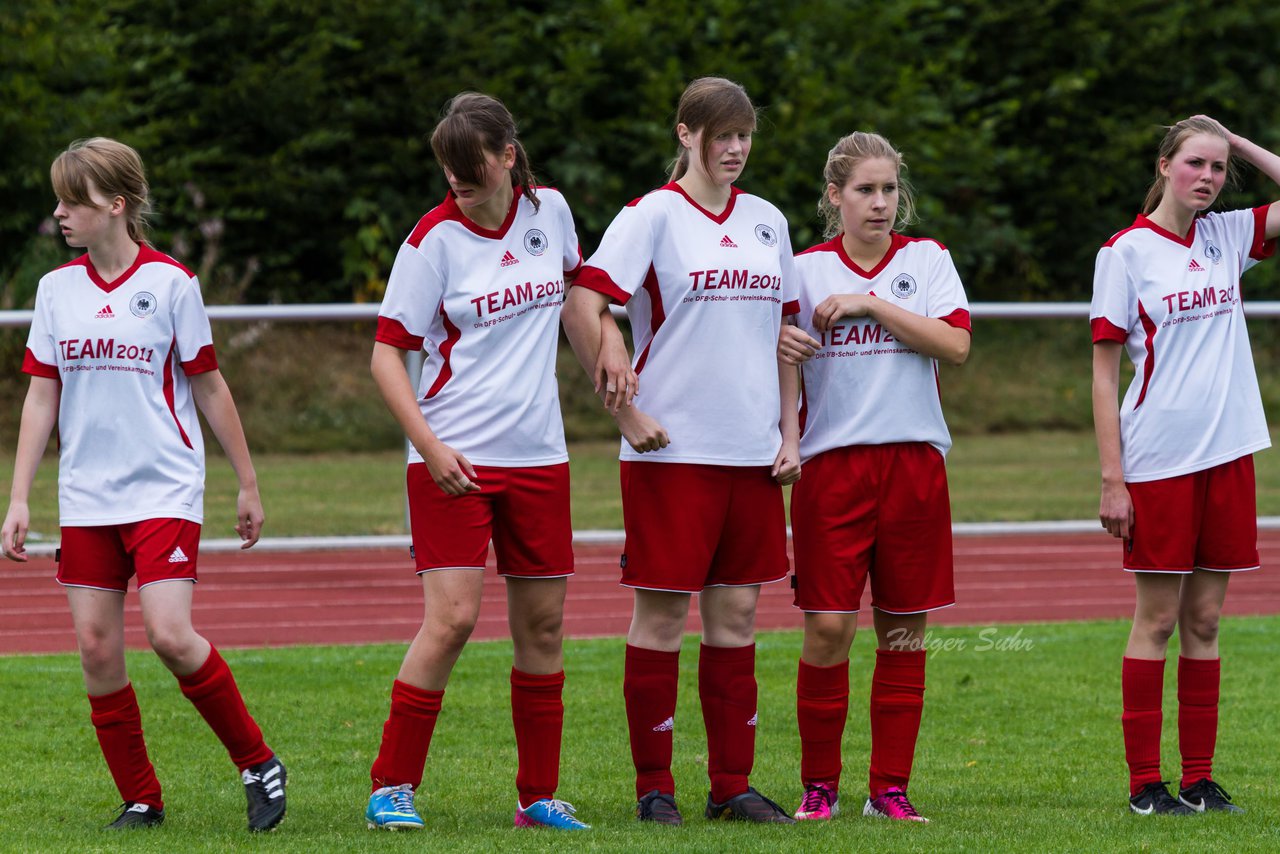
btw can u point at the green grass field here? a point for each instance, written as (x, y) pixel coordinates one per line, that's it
(1002, 477)
(1020, 750)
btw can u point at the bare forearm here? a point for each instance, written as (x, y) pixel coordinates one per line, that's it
(585, 326)
(39, 414)
(789, 393)
(214, 399)
(1106, 413)
(927, 335)
(392, 380)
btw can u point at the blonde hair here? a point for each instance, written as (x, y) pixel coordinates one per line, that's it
(111, 167)
(844, 158)
(1175, 135)
(473, 123)
(714, 106)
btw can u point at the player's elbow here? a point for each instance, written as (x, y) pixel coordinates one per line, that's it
(958, 351)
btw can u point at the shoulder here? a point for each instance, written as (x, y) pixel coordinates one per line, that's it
(431, 222)
(167, 263)
(550, 201)
(1124, 236)
(926, 245)
(756, 205)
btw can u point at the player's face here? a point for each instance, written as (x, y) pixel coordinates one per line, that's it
(494, 173)
(1197, 171)
(868, 201)
(726, 157)
(88, 225)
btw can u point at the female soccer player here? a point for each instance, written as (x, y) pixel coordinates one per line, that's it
(120, 356)
(703, 269)
(877, 312)
(1177, 464)
(479, 284)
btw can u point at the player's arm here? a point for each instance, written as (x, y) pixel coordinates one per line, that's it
(930, 336)
(39, 414)
(584, 319)
(1115, 510)
(451, 471)
(786, 466)
(1266, 162)
(211, 394)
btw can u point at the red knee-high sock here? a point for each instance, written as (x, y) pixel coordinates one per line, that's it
(118, 723)
(406, 736)
(537, 711)
(822, 705)
(212, 690)
(1142, 687)
(649, 689)
(1198, 680)
(727, 688)
(897, 703)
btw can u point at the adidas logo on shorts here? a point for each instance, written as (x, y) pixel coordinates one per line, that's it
(178, 556)
(508, 259)
(752, 722)
(666, 726)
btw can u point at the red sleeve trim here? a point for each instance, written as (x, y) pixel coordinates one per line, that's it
(570, 275)
(595, 279)
(958, 319)
(206, 360)
(391, 331)
(791, 307)
(36, 368)
(1105, 330)
(1261, 248)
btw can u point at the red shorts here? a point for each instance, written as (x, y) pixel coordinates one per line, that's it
(524, 511)
(878, 509)
(1203, 520)
(692, 526)
(105, 556)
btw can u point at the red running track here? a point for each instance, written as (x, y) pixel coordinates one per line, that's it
(343, 597)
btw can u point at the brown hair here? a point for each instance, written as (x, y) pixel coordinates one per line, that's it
(712, 105)
(114, 169)
(472, 124)
(844, 158)
(1175, 136)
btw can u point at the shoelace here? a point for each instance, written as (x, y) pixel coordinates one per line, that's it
(647, 807)
(1214, 791)
(402, 799)
(815, 798)
(563, 807)
(900, 800)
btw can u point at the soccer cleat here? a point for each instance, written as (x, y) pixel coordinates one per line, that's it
(893, 803)
(749, 806)
(1154, 799)
(264, 790)
(133, 816)
(820, 802)
(659, 808)
(1207, 796)
(549, 812)
(391, 808)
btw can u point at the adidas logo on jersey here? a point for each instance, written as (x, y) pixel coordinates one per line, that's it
(508, 259)
(666, 726)
(727, 243)
(105, 314)
(1194, 267)
(178, 556)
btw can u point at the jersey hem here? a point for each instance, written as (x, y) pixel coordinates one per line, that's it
(143, 516)
(1200, 465)
(522, 463)
(698, 461)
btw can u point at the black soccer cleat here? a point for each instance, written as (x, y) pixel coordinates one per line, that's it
(749, 806)
(659, 808)
(264, 790)
(1205, 795)
(1154, 799)
(134, 816)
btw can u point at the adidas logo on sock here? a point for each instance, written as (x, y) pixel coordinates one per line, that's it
(666, 726)
(1194, 267)
(508, 259)
(105, 314)
(727, 243)
(752, 722)
(178, 556)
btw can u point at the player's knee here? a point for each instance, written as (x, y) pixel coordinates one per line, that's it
(452, 630)
(1201, 625)
(100, 656)
(173, 642)
(1158, 627)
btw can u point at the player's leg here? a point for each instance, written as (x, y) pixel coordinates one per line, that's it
(896, 707)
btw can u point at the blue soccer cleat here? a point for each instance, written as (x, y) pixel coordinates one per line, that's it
(549, 812)
(391, 808)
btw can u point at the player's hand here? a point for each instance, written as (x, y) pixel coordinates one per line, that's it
(837, 306)
(1115, 510)
(613, 375)
(795, 346)
(642, 432)
(249, 516)
(786, 466)
(1231, 138)
(450, 470)
(13, 535)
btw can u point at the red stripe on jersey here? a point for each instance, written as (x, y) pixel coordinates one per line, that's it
(391, 331)
(1261, 248)
(206, 360)
(168, 391)
(1105, 330)
(1149, 365)
(36, 368)
(657, 314)
(595, 279)
(804, 408)
(792, 307)
(577, 268)
(959, 319)
(452, 334)
(1143, 222)
(718, 219)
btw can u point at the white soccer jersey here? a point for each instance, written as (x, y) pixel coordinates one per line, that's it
(864, 387)
(129, 440)
(705, 296)
(485, 306)
(1175, 304)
